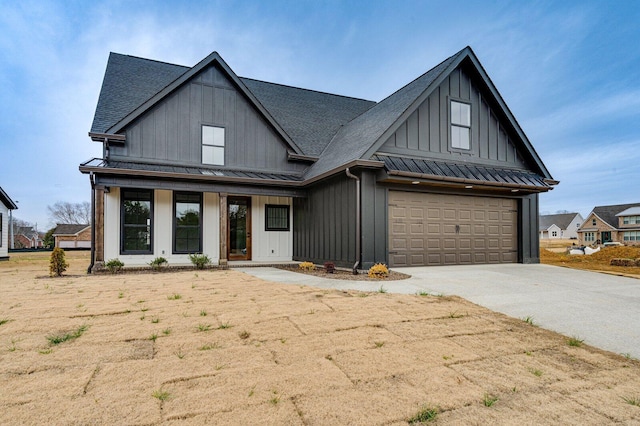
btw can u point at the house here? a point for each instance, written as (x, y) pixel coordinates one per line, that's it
(27, 237)
(72, 236)
(197, 159)
(563, 225)
(619, 223)
(6, 206)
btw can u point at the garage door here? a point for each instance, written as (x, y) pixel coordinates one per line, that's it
(437, 229)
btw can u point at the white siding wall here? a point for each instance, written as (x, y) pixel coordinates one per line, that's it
(162, 229)
(572, 230)
(274, 246)
(4, 243)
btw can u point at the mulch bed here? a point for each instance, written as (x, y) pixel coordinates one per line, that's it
(341, 274)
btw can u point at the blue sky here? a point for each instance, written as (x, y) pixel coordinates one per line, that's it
(569, 71)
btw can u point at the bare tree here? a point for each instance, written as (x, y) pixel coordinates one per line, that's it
(65, 212)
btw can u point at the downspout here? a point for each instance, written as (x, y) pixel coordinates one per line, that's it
(358, 238)
(93, 221)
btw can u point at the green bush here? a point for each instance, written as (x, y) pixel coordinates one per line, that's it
(199, 260)
(57, 263)
(379, 270)
(114, 265)
(157, 263)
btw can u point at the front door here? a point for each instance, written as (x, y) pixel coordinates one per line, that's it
(239, 215)
(606, 236)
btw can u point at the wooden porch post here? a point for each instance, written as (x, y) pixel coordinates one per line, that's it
(224, 227)
(99, 225)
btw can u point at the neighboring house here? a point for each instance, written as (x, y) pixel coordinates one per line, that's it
(199, 160)
(27, 237)
(619, 223)
(6, 204)
(68, 236)
(560, 225)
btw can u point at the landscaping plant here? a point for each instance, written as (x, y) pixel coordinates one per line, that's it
(57, 263)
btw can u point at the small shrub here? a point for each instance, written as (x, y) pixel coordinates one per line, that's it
(157, 263)
(114, 265)
(574, 341)
(199, 260)
(379, 270)
(57, 263)
(307, 266)
(329, 267)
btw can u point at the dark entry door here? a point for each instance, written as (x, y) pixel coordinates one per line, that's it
(239, 214)
(606, 237)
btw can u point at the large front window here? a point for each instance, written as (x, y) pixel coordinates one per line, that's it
(632, 235)
(213, 145)
(187, 223)
(137, 221)
(460, 125)
(631, 220)
(589, 236)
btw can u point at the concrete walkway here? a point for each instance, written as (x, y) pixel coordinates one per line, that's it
(602, 309)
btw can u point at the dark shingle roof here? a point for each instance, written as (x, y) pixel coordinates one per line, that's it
(608, 213)
(354, 139)
(128, 82)
(7, 201)
(562, 221)
(310, 118)
(463, 172)
(69, 228)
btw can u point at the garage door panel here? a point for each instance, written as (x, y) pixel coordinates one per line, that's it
(443, 229)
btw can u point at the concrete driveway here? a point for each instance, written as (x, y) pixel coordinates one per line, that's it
(602, 309)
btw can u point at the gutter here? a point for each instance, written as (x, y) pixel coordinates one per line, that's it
(358, 237)
(93, 222)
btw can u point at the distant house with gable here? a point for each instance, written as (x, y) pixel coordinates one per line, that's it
(72, 236)
(563, 225)
(618, 223)
(27, 237)
(6, 204)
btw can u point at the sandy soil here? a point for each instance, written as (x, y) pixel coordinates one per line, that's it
(221, 347)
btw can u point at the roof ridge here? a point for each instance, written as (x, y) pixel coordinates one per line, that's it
(307, 90)
(150, 60)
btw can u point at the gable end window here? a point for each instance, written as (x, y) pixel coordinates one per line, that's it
(276, 217)
(593, 222)
(136, 221)
(460, 117)
(213, 145)
(187, 222)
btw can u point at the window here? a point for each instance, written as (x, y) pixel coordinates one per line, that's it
(631, 220)
(632, 235)
(187, 223)
(213, 145)
(589, 236)
(276, 218)
(554, 233)
(136, 214)
(593, 222)
(460, 125)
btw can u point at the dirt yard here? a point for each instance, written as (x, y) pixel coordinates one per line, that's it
(221, 347)
(599, 261)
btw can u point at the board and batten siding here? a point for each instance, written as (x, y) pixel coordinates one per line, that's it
(266, 246)
(426, 132)
(4, 240)
(162, 229)
(171, 131)
(324, 223)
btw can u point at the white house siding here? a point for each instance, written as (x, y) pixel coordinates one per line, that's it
(270, 246)
(4, 242)
(162, 229)
(572, 229)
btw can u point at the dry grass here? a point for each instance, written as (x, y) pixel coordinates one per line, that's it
(595, 262)
(283, 354)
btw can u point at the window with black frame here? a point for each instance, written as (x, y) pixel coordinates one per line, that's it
(187, 223)
(277, 217)
(136, 221)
